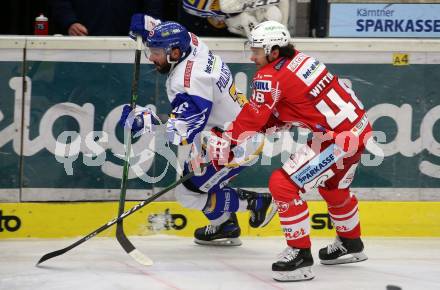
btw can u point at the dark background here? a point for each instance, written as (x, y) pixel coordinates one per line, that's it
(18, 18)
(18, 15)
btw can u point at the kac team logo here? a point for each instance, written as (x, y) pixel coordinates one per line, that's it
(282, 206)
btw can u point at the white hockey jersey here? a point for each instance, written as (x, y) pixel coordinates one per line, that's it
(202, 93)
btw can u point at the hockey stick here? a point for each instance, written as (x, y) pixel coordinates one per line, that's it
(128, 247)
(115, 220)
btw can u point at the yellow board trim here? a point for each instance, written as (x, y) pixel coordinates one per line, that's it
(400, 59)
(59, 220)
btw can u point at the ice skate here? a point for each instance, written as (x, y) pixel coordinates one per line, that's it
(293, 265)
(226, 234)
(262, 208)
(343, 251)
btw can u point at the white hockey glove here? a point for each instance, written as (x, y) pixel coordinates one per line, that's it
(142, 24)
(269, 13)
(235, 6)
(242, 24)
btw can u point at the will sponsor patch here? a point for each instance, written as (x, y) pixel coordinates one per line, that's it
(262, 85)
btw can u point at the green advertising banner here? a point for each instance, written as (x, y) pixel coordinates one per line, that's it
(9, 126)
(79, 102)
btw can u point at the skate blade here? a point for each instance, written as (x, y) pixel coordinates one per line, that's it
(270, 213)
(349, 258)
(301, 274)
(220, 242)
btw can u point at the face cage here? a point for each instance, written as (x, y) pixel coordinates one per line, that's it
(267, 47)
(251, 44)
(157, 51)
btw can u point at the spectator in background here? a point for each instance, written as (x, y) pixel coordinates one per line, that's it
(100, 17)
(318, 18)
(201, 26)
(236, 17)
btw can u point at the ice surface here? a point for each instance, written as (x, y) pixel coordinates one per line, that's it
(101, 263)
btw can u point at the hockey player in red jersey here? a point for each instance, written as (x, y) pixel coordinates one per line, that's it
(293, 88)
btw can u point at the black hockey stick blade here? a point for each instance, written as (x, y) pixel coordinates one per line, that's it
(68, 248)
(129, 248)
(115, 220)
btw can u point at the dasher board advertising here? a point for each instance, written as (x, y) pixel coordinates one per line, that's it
(384, 20)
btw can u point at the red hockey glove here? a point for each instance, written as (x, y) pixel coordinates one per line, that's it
(218, 148)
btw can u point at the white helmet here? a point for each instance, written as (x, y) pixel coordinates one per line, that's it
(268, 34)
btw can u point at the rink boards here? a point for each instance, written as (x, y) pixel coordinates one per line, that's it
(57, 84)
(54, 85)
(62, 220)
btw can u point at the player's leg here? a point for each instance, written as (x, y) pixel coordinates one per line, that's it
(344, 212)
(241, 156)
(307, 168)
(294, 264)
(220, 209)
(342, 204)
(208, 192)
(260, 206)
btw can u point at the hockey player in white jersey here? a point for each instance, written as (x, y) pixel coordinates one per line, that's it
(203, 97)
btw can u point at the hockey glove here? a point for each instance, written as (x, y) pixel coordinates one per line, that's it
(142, 24)
(219, 148)
(225, 151)
(142, 120)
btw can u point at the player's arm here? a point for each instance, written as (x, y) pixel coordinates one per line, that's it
(188, 117)
(142, 24)
(191, 105)
(141, 120)
(256, 114)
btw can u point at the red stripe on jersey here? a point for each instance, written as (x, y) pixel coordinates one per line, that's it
(194, 39)
(187, 75)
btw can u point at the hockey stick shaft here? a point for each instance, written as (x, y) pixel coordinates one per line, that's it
(120, 235)
(115, 220)
(127, 134)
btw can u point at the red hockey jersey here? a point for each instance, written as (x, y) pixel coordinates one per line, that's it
(302, 92)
